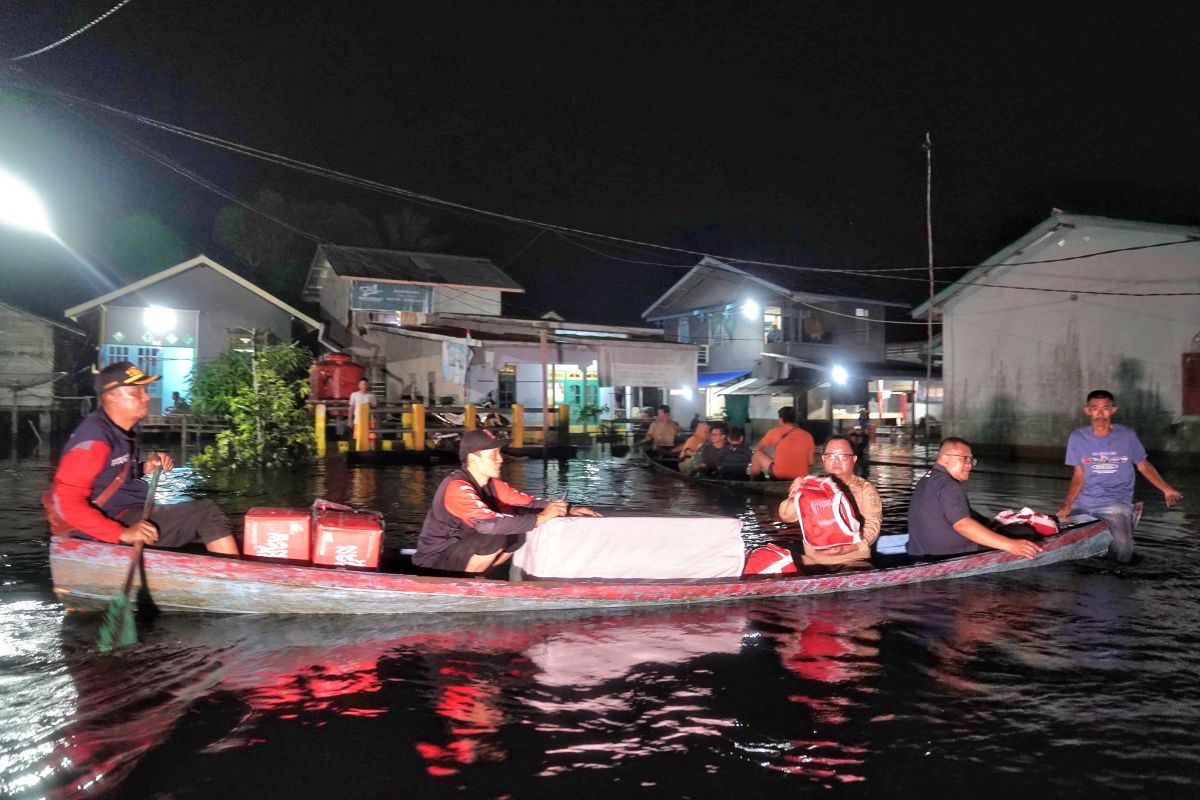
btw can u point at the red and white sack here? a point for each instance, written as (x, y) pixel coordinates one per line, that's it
(826, 515)
(1042, 524)
(770, 559)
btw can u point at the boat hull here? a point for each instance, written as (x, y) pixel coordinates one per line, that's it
(87, 574)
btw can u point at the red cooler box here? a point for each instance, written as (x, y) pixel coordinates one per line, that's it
(278, 533)
(348, 539)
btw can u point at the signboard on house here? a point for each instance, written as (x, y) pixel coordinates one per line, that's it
(380, 296)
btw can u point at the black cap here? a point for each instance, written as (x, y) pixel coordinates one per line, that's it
(476, 441)
(122, 373)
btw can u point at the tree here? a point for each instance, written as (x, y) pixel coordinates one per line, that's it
(262, 399)
(408, 229)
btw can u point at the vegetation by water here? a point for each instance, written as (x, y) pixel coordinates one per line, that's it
(262, 397)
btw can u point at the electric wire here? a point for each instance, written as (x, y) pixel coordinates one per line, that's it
(383, 188)
(71, 36)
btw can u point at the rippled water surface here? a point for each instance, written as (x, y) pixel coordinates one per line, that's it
(1073, 680)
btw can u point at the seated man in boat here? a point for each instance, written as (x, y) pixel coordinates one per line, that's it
(940, 521)
(477, 521)
(718, 458)
(663, 431)
(786, 451)
(98, 492)
(1106, 458)
(838, 462)
(686, 452)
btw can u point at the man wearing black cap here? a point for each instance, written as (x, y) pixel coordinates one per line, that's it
(478, 521)
(98, 492)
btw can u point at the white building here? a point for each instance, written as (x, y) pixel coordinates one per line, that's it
(1078, 303)
(429, 326)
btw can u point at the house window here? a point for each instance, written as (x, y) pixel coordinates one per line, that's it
(719, 326)
(506, 386)
(248, 341)
(773, 324)
(862, 325)
(1191, 384)
(682, 332)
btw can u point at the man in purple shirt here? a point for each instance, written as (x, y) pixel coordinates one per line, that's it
(1105, 456)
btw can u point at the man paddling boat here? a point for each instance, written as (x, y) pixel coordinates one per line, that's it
(477, 521)
(98, 492)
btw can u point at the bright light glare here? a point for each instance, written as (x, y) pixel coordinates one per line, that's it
(839, 375)
(158, 319)
(20, 207)
(751, 309)
(683, 391)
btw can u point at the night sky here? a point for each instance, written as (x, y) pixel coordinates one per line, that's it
(787, 131)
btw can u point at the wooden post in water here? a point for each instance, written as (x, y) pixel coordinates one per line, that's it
(564, 425)
(418, 426)
(469, 417)
(319, 428)
(12, 427)
(545, 394)
(406, 418)
(362, 426)
(518, 425)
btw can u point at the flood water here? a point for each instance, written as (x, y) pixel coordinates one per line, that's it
(1073, 680)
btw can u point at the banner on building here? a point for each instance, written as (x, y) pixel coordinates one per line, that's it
(647, 366)
(456, 357)
(379, 296)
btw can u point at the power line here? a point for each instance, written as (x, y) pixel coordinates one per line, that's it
(71, 36)
(563, 230)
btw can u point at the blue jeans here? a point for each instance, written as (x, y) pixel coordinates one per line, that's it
(1119, 517)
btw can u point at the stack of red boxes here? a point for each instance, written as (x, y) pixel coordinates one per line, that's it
(347, 538)
(283, 534)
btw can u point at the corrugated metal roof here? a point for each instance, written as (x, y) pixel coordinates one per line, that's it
(395, 265)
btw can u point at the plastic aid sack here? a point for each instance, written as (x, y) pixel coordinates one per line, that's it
(826, 515)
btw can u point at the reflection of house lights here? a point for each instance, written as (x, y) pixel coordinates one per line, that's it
(158, 319)
(750, 309)
(839, 374)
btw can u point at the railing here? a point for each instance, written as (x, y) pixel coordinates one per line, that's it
(375, 428)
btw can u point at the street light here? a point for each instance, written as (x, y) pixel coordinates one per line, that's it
(21, 208)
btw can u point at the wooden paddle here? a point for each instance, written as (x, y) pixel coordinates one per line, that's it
(118, 627)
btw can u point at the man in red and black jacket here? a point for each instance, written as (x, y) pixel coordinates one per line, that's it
(478, 521)
(98, 492)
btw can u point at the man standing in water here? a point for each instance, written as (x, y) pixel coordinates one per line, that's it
(1105, 456)
(477, 521)
(98, 492)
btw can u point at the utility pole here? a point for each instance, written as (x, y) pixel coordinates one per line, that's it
(929, 311)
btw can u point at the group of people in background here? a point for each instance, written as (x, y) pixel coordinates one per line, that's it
(716, 449)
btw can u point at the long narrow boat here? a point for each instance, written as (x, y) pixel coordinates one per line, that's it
(671, 468)
(87, 574)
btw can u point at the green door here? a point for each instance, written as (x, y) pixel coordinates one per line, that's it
(737, 409)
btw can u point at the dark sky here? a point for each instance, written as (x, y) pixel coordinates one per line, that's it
(780, 131)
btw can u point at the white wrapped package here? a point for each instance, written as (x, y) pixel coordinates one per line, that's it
(633, 547)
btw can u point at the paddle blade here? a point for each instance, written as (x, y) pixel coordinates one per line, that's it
(118, 628)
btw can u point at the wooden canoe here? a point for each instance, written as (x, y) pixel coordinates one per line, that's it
(87, 574)
(671, 468)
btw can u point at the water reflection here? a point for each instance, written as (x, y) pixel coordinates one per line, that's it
(1070, 679)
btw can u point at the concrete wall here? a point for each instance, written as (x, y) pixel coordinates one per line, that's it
(448, 300)
(1019, 363)
(26, 350)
